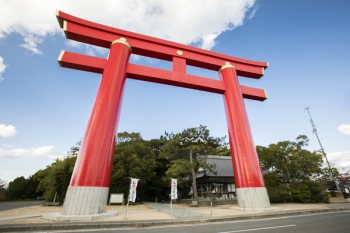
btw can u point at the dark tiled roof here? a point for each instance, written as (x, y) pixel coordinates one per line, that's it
(223, 167)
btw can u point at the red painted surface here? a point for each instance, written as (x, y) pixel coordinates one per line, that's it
(177, 77)
(82, 62)
(101, 35)
(94, 163)
(179, 64)
(245, 160)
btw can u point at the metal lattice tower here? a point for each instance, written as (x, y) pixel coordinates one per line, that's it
(314, 130)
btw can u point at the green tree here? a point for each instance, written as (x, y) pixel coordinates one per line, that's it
(133, 157)
(275, 188)
(290, 161)
(186, 153)
(3, 187)
(31, 187)
(292, 169)
(17, 189)
(180, 169)
(327, 178)
(55, 178)
(22, 188)
(3, 184)
(156, 186)
(39, 177)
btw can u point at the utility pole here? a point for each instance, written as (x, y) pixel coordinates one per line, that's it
(324, 154)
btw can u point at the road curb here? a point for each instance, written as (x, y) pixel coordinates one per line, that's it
(152, 223)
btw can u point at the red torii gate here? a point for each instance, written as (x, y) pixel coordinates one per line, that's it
(88, 190)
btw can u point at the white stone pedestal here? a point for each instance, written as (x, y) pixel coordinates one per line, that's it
(85, 200)
(253, 199)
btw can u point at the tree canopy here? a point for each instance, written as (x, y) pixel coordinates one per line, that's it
(3, 184)
(153, 161)
(186, 152)
(291, 171)
(133, 157)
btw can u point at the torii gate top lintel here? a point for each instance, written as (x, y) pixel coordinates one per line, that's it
(181, 55)
(140, 43)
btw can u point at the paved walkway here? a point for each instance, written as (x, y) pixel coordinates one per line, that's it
(21, 216)
(176, 212)
(9, 205)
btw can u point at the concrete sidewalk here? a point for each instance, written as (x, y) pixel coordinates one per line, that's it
(182, 213)
(153, 214)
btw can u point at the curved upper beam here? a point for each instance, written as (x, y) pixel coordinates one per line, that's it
(100, 35)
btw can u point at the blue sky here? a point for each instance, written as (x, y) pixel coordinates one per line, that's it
(44, 108)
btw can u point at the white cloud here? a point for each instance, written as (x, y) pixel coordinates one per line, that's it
(339, 159)
(345, 129)
(190, 22)
(40, 152)
(253, 12)
(208, 41)
(7, 131)
(7, 146)
(2, 68)
(31, 43)
(89, 49)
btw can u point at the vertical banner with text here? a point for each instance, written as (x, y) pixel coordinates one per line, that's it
(132, 191)
(173, 189)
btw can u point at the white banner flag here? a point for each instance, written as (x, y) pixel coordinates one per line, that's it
(173, 189)
(132, 191)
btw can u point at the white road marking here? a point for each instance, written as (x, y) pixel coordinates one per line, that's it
(257, 229)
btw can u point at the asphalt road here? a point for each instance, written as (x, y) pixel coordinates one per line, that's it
(9, 205)
(318, 223)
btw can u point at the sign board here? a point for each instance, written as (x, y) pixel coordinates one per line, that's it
(173, 189)
(132, 191)
(116, 198)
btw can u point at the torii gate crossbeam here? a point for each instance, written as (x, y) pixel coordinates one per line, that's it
(88, 190)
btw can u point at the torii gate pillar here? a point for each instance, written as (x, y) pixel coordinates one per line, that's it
(249, 181)
(89, 186)
(88, 190)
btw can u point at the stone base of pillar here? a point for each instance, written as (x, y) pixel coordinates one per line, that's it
(253, 198)
(85, 200)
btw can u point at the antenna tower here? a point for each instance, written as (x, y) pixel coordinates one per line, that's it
(324, 154)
